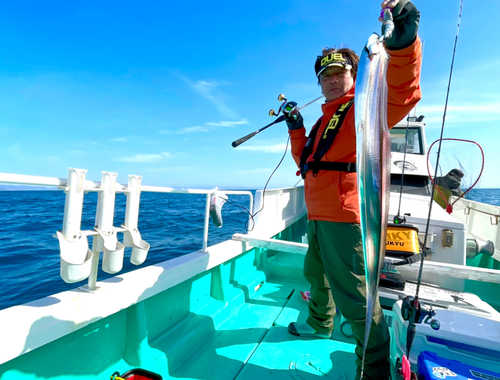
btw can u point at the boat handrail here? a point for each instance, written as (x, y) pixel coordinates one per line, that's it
(82, 262)
(61, 183)
(430, 267)
(469, 204)
(494, 218)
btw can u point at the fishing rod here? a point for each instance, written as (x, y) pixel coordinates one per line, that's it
(411, 306)
(285, 107)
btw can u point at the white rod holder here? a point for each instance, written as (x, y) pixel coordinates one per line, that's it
(106, 203)
(107, 241)
(74, 204)
(133, 200)
(131, 235)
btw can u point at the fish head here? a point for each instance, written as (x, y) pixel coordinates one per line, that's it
(374, 45)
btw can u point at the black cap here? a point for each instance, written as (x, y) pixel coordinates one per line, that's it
(333, 59)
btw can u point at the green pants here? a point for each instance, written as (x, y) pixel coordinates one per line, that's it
(334, 266)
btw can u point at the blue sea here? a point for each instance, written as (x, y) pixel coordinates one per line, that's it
(171, 223)
(29, 254)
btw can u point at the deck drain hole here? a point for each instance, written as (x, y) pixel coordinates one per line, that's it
(316, 367)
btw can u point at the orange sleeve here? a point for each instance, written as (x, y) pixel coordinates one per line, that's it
(298, 139)
(403, 81)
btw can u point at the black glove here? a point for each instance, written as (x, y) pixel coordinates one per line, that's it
(406, 18)
(293, 119)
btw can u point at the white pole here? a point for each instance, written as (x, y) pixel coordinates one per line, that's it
(91, 285)
(74, 204)
(205, 229)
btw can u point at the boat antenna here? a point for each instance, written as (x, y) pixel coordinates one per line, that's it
(415, 304)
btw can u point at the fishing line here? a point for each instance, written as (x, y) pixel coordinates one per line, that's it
(296, 183)
(286, 111)
(411, 332)
(252, 216)
(440, 142)
(265, 187)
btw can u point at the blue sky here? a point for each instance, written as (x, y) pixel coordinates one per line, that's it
(161, 89)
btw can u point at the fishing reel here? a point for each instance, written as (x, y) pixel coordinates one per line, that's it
(286, 107)
(398, 219)
(281, 98)
(415, 312)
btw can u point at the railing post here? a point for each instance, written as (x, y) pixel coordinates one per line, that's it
(205, 229)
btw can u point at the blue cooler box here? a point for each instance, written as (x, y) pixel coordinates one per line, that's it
(434, 367)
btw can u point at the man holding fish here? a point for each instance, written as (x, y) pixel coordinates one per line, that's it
(334, 263)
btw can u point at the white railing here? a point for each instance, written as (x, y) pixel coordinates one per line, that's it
(482, 221)
(276, 209)
(78, 262)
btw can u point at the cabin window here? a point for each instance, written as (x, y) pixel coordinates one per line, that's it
(412, 184)
(414, 144)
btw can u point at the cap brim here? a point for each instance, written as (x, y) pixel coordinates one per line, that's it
(338, 64)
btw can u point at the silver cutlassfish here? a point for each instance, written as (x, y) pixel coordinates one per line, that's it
(373, 156)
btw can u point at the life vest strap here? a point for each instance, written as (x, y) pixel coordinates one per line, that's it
(315, 166)
(324, 145)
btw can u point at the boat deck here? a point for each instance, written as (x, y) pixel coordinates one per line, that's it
(255, 344)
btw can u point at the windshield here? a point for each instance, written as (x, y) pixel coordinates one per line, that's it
(412, 184)
(398, 136)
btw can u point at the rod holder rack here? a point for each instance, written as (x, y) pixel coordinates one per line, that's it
(78, 262)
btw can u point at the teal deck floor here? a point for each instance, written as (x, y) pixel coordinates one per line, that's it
(255, 344)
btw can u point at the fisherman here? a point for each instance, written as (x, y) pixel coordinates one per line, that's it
(447, 186)
(334, 263)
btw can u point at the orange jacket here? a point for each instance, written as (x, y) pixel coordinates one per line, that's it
(333, 195)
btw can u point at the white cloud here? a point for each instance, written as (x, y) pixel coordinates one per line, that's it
(168, 169)
(206, 89)
(227, 123)
(119, 139)
(461, 112)
(196, 128)
(77, 152)
(489, 108)
(140, 158)
(277, 148)
(208, 126)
